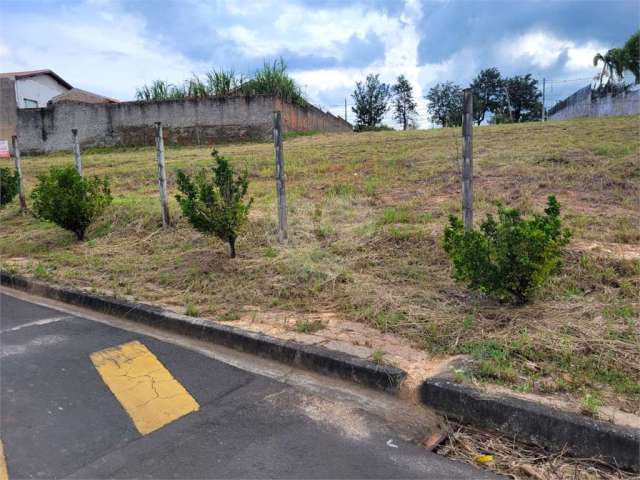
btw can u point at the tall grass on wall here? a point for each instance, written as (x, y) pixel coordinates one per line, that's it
(270, 79)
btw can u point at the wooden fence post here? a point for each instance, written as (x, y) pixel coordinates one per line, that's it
(162, 175)
(76, 150)
(467, 160)
(16, 156)
(282, 199)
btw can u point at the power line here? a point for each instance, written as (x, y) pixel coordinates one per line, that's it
(570, 80)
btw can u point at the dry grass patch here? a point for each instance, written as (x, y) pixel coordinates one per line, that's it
(366, 215)
(505, 456)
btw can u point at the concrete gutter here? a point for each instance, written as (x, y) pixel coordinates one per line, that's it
(317, 359)
(523, 420)
(534, 423)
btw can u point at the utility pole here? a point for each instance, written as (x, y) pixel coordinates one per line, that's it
(544, 91)
(76, 150)
(467, 161)
(345, 109)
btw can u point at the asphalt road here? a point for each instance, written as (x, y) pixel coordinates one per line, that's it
(82, 399)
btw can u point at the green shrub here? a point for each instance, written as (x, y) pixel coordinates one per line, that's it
(215, 206)
(377, 128)
(509, 258)
(67, 199)
(8, 185)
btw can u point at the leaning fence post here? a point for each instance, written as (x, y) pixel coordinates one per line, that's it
(467, 160)
(282, 199)
(162, 175)
(16, 156)
(76, 150)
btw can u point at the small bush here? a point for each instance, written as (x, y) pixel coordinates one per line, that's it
(215, 206)
(8, 185)
(191, 310)
(509, 258)
(70, 201)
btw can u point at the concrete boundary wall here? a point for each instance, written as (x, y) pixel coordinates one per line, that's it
(186, 122)
(8, 108)
(588, 103)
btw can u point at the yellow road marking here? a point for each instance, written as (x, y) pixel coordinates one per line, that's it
(4, 474)
(144, 387)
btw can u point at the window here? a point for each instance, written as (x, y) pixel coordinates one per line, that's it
(28, 103)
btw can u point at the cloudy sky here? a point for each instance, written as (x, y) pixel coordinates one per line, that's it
(113, 46)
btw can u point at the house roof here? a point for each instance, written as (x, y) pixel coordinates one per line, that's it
(35, 73)
(82, 96)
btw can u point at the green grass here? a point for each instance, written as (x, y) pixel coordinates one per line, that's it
(294, 134)
(230, 316)
(590, 404)
(404, 214)
(378, 357)
(191, 310)
(366, 214)
(307, 326)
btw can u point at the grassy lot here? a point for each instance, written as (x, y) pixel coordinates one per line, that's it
(366, 214)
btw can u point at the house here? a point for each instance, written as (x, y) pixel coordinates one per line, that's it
(80, 96)
(36, 89)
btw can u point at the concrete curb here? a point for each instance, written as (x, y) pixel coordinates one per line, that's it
(533, 423)
(317, 359)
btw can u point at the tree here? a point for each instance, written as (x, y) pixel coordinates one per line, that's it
(371, 99)
(612, 65)
(488, 93)
(69, 200)
(404, 106)
(522, 98)
(618, 60)
(445, 104)
(215, 206)
(631, 51)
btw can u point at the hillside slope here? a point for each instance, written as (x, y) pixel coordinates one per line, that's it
(366, 218)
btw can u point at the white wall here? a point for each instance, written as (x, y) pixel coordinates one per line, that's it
(40, 88)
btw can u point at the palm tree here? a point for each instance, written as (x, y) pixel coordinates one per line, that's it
(612, 64)
(618, 60)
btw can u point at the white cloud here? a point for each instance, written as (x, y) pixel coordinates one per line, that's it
(94, 47)
(305, 31)
(398, 35)
(102, 47)
(543, 49)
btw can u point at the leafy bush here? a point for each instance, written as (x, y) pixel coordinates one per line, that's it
(8, 185)
(509, 258)
(215, 206)
(67, 199)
